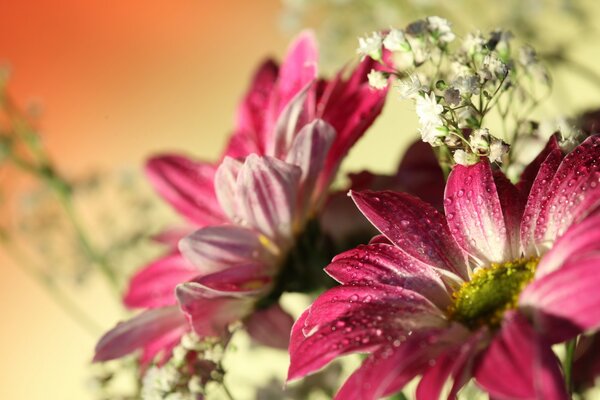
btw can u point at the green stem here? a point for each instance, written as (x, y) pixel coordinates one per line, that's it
(227, 392)
(568, 364)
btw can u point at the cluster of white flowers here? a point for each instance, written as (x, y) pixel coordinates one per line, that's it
(454, 87)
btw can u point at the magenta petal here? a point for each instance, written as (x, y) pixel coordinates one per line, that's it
(532, 170)
(573, 193)
(566, 302)
(512, 203)
(519, 365)
(251, 114)
(386, 264)
(225, 184)
(391, 367)
(216, 248)
(266, 194)
(355, 319)
(415, 227)
(139, 332)
(580, 241)
(188, 186)
(171, 236)
(270, 327)
(154, 285)
(474, 213)
(308, 152)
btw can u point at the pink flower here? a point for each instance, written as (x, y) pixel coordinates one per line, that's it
(291, 133)
(482, 291)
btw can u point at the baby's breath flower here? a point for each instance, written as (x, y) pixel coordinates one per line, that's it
(463, 158)
(377, 79)
(440, 28)
(480, 141)
(473, 43)
(428, 110)
(433, 134)
(370, 46)
(452, 96)
(395, 41)
(467, 85)
(494, 65)
(410, 87)
(497, 150)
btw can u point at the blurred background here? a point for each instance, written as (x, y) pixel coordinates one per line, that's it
(107, 83)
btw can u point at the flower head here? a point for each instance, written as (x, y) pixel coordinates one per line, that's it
(482, 291)
(370, 46)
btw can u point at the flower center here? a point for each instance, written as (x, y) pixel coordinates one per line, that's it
(491, 292)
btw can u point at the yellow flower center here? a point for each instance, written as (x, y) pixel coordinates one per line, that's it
(491, 292)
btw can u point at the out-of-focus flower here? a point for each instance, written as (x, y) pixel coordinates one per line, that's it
(409, 88)
(504, 274)
(377, 79)
(370, 46)
(395, 41)
(429, 110)
(461, 157)
(292, 132)
(440, 28)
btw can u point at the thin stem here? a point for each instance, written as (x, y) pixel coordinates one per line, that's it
(227, 392)
(568, 364)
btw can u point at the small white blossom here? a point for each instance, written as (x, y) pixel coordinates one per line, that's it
(463, 158)
(473, 43)
(370, 46)
(428, 110)
(441, 28)
(452, 96)
(480, 140)
(497, 150)
(467, 85)
(158, 382)
(432, 134)
(409, 88)
(377, 79)
(494, 65)
(395, 41)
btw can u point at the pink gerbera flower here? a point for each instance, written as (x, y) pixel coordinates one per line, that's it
(482, 291)
(298, 129)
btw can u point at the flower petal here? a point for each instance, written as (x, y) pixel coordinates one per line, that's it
(390, 368)
(308, 152)
(566, 302)
(533, 169)
(225, 186)
(512, 202)
(355, 318)
(270, 327)
(154, 285)
(188, 186)
(414, 226)
(216, 248)
(573, 193)
(266, 195)
(519, 365)
(138, 332)
(474, 213)
(386, 264)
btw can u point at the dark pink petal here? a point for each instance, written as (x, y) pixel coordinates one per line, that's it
(216, 248)
(573, 193)
(163, 346)
(389, 369)
(171, 236)
(475, 214)
(226, 178)
(154, 285)
(308, 152)
(519, 365)
(566, 302)
(251, 114)
(270, 327)
(512, 202)
(415, 227)
(139, 332)
(386, 264)
(266, 194)
(350, 106)
(354, 319)
(188, 186)
(531, 171)
(581, 240)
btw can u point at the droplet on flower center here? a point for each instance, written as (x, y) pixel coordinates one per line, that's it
(491, 292)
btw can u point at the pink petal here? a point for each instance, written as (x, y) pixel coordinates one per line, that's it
(188, 186)
(171, 236)
(566, 302)
(390, 368)
(573, 193)
(270, 327)
(154, 285)
(216, 248)
(225, 186)
(512, 203)
(475, 215)
(350, 106)
(251, 114)
(581, 240)
(141, 331)
(266, 195)
(414, 226)
(353, 319)
(519, 365)
(386, 264)
(308, 152)
(531, 171)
